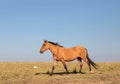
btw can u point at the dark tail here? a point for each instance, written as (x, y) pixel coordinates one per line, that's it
(92, 63)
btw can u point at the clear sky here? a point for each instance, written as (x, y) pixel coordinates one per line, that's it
(24, 24)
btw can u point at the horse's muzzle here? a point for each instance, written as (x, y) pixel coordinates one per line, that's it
(41, 52)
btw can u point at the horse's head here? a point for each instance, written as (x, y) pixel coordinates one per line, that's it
(44, 47)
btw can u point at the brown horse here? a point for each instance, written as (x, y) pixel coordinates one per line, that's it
(67, 54)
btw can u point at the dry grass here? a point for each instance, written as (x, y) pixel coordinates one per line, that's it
(24, 73)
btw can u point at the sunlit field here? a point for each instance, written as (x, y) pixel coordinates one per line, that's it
(26, 73)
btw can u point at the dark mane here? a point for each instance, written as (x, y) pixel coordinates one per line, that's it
(57, 44)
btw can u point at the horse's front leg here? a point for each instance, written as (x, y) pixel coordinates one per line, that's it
(63, 62)
(53, 67)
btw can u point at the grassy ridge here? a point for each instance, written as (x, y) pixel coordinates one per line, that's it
(24, 73)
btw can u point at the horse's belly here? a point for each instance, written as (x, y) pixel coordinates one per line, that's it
(71, 57)
(67, 54)
(68, 60)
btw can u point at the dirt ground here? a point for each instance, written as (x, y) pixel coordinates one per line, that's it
(26, 73)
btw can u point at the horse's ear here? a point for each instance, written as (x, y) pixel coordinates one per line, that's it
(45, 41)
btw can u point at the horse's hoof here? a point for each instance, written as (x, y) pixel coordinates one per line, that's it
(81, 72)
(91, 71)
(67, 73)
(51, 74)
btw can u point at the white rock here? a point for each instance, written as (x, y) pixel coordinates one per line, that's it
(35, 67)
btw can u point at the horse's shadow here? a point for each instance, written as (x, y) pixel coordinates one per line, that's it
(60, 73)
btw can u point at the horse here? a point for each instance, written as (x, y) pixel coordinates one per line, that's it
(66, 55)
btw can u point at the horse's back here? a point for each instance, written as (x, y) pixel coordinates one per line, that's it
(74, 50)
(78, 47)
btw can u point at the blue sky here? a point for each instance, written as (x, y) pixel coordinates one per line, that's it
(24, 24)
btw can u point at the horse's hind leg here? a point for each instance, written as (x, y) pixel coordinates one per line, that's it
(86, 60)
(63, 62)
(80, 62)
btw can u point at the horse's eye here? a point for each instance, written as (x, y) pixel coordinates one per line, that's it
(43, 44)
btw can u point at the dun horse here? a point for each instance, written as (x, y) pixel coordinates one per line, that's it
(67, 54)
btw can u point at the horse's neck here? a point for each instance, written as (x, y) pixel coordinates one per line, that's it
(53, 49)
